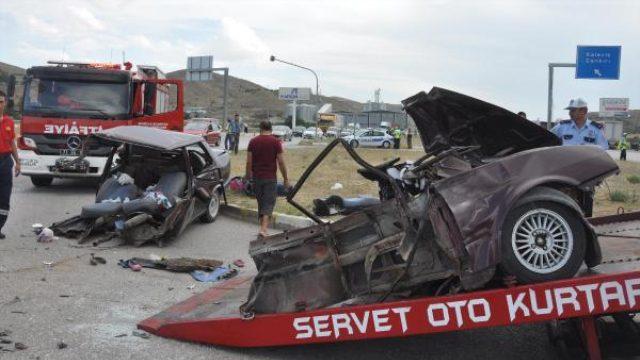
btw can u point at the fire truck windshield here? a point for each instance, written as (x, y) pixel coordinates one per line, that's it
(59, 98)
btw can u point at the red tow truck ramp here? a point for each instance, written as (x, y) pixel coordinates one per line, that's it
(213, 317)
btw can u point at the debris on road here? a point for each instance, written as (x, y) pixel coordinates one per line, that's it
(20, 346)
(95, 260)
(239, 263)
(182, 264)
(120, 335)
(219, 273)
(62, 345)
(140, 334)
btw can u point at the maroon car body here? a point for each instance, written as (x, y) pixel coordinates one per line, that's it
(209, 129)
(450, 222)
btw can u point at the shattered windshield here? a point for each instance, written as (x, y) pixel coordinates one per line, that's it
(73, 98)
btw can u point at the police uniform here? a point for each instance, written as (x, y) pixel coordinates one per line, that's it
(590, 134)
(7, 135)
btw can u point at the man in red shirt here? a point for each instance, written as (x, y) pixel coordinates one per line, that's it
(264, 157)
(7, 150)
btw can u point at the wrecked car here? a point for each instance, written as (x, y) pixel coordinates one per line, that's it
(493, 199)
(155, 183)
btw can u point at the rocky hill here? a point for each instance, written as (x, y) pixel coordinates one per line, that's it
(252, 101)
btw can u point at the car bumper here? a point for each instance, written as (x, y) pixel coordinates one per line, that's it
(44, 165)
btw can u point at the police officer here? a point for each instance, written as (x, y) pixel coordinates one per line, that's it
(623, 145)
(7, 150)
(579, 130)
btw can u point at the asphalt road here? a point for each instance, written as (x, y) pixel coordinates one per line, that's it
(87, 306)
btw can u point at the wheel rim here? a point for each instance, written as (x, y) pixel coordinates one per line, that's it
(386, 144)
(542, 241)
(214, 206)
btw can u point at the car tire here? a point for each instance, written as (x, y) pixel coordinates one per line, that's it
(542, 241)
(213, 208)
(386, 144)
(40, 181)
(354, 143)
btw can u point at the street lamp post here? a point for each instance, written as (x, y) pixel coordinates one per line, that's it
(273, 58)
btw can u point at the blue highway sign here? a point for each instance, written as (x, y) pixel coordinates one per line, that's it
(598, 62)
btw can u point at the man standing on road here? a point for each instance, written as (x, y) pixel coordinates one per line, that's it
(409, 137)
(264, 157)
(7, 151)
(397, 134)
(623, 145)
(232, 139)
(579, 130)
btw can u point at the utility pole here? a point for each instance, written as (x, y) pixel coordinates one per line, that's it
(550, 94)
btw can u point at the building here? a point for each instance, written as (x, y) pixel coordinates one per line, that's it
(304, 112)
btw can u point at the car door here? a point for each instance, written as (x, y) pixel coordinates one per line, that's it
(206, 176)
(365, 138)
(377, 137)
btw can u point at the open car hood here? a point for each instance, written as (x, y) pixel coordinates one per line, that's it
(148, 137)
(447, 119)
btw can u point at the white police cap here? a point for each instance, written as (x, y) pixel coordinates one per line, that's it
(576, 104)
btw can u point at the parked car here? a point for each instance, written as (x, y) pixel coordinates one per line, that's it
(209, 129)
(298, 131)
(312, 133)
(493, 198)
(332, 132)
(282, 132)
(370, 138)
(159, 182)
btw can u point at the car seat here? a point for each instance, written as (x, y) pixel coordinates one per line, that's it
(109, 199)
(171, 184)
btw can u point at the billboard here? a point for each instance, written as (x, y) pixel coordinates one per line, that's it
(610, 107)
(199, 68)
(291, 93)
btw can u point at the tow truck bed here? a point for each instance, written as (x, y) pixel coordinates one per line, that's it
(213, 316)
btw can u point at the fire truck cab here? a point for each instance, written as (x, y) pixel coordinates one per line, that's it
(63, 103)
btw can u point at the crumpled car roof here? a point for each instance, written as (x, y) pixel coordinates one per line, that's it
(148, 137)
(445, 119)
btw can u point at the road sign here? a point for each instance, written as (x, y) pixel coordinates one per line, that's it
(598, 62)
(199, 68)
(289, 93)
(613, 107)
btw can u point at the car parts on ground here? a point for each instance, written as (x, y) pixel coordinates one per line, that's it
(155, 183)
(494, 194)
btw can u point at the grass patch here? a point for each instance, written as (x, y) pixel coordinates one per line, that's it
(634, 179)
(619, 196)
(339, 167)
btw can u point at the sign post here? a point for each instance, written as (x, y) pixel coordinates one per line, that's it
(294, 94)
(592, 62)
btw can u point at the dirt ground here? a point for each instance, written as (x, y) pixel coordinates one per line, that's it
(338, 167)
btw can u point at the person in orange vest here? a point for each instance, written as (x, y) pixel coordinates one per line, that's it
(8, 150)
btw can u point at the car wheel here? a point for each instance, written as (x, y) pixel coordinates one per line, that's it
(354, 143)
(40, 181)
(213, 208)
(542, 241)
(386, 144)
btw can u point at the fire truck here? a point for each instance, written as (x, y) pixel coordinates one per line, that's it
(65, 102)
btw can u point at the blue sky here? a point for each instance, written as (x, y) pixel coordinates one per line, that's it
(494, 50)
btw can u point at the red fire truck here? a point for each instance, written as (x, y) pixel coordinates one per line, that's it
(65, 102)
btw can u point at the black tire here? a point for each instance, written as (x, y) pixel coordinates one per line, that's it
(354, 143)
(210, 214)
(568, 261)
(40, 181)
(386, 144)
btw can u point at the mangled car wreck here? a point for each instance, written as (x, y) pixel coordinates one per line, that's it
(494, 197)
(154, 184)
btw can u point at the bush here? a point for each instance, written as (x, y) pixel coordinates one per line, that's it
(634, 179)
(618, 196)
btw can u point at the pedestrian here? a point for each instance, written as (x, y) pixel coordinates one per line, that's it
(623, 145)
(578, 130)
(232, 139)
(8, 161)
(409, 137)
(264, 158)
(397, 134)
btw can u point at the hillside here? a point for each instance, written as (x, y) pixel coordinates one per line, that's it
(251, 100)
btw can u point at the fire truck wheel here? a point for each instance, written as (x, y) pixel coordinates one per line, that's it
(213, 209)
(542, 241)
(39, 181)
